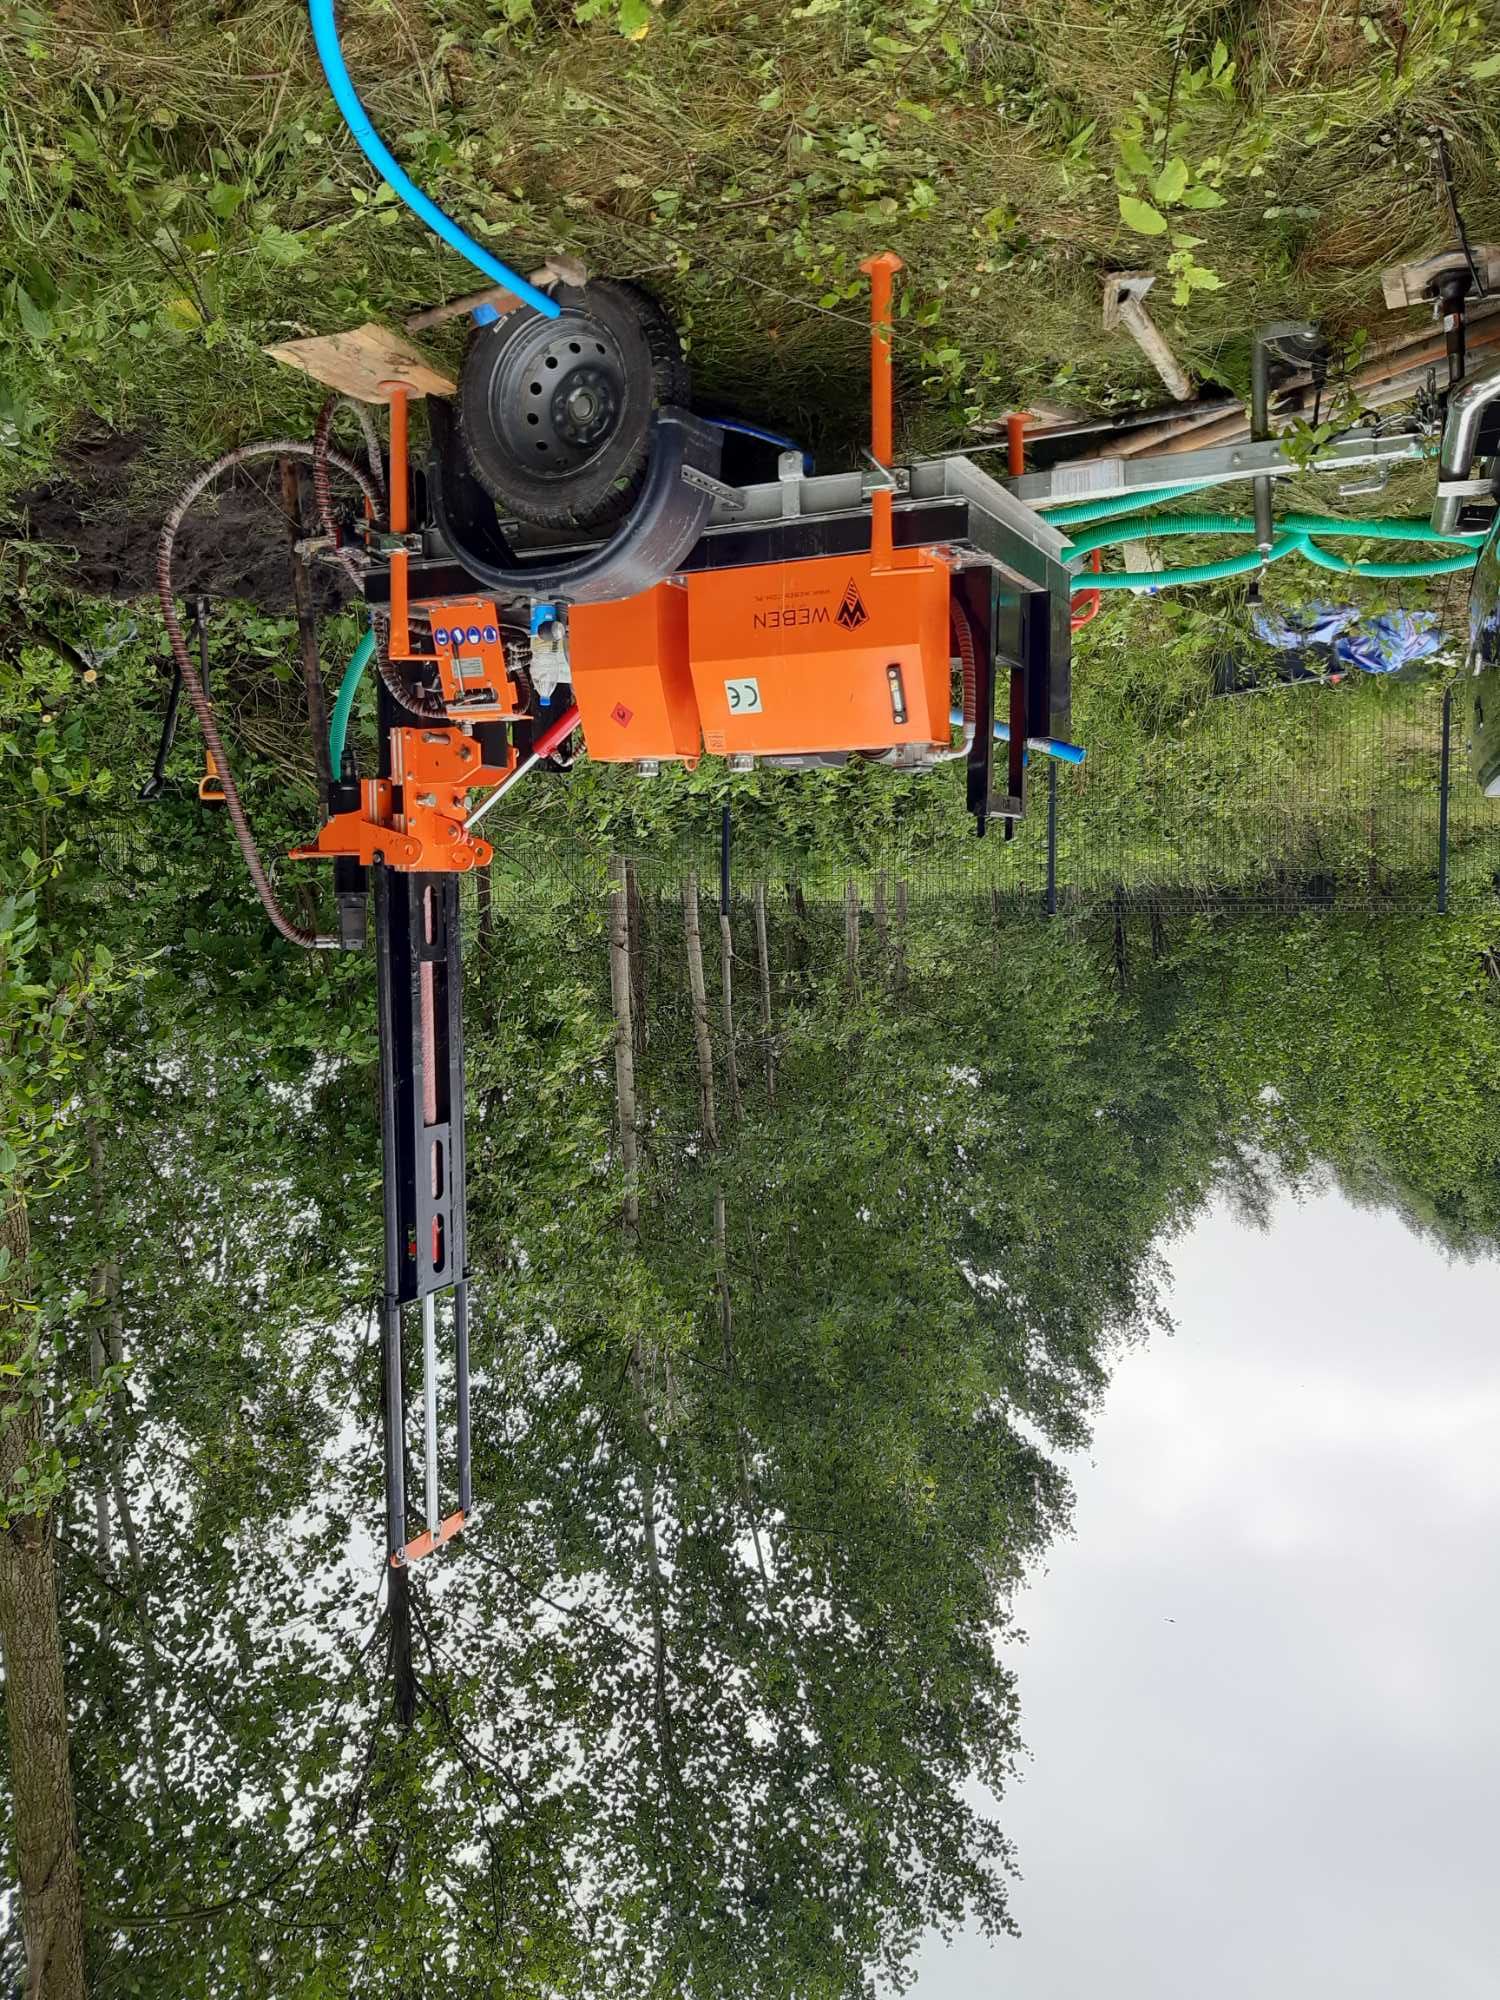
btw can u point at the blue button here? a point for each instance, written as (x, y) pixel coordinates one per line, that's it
(440, 635)
(472, 635)
(490, 635)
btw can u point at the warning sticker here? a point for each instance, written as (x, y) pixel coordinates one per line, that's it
(743, 697)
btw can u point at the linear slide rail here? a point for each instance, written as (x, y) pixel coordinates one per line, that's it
(1213, 465)
(418, 988)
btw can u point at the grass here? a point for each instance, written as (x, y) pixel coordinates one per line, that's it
(177, 189)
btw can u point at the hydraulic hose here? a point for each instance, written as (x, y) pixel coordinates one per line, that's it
(202, 707)
(338, 722)
(763, 436)
(1296, 537)
(1110, 505)
(1046, 746)
(375, 150)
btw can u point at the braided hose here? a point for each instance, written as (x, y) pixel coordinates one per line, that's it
(373, 454)
(963, 639)
(197, 695)
(322, 457)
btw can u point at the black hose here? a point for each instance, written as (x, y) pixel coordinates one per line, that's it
(197, 694)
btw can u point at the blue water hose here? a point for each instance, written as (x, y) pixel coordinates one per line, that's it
(1045, 746)
(375, 150)
(764, 436)
(338, 722)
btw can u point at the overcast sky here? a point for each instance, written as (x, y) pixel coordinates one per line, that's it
(1261, 1689)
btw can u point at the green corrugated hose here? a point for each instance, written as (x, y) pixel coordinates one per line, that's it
(338, 722)
(1295, 537)
(1106, 508)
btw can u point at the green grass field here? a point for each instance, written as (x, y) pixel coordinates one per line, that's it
(177, 188)
(178, 191)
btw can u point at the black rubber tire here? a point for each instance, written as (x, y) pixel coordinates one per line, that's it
(651, 368)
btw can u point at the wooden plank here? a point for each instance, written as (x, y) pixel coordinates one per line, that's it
(1412, 284)
(493, 295)
(357, 362)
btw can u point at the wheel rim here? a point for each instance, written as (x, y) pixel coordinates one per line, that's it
(557, 395)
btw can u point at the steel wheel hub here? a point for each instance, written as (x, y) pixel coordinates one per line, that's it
(557, 396)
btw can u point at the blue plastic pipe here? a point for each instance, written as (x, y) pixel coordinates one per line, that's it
(767, 437)
(375, 150)
(1045, 746)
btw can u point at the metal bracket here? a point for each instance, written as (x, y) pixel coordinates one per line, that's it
(789, 471)
(728, 497)
(882, 478)
(1351, 488)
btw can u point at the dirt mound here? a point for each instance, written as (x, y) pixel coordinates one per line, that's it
(100, 510)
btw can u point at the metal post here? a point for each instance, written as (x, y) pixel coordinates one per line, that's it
(1260, 430)
(395, 1427)
(461, 1374)
(1442, 893)
(1052, 840)
(429, 1409)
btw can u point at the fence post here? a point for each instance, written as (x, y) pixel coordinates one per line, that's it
(1442, 890)
(1051, 837)
(724, 862)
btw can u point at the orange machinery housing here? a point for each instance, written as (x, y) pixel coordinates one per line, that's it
(831, 654)
(802, 618)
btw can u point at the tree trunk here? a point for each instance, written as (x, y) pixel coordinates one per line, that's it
(36, 1712)
(851, 934)
(726, 981)
(106, 1286)
(96, 1376)
(620, 998)
(699, 991)
(900, 933)
(882, 925)
(763, 960)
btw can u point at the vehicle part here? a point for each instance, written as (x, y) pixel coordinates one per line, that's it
(556, 415)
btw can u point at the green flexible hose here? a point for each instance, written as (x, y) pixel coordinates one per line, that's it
(338, 722)
(1296, 535)
(1210, 572)
(1110, 505)
(1440, 566)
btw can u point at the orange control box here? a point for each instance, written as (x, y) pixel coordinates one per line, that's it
(631, 678)
(829, 654)
(470, 654)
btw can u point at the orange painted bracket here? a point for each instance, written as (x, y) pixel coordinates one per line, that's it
(425, 1545)
(211, 784)
(400, 506)
(881, 272)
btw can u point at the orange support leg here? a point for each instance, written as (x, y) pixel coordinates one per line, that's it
(881, 271)
(400, 518)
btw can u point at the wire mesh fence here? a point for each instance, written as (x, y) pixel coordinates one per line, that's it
(1292, 798)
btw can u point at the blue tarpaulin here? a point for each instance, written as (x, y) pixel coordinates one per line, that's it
(1380, 643)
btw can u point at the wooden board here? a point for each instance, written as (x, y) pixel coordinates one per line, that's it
(1408, 284)
(357, 362)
